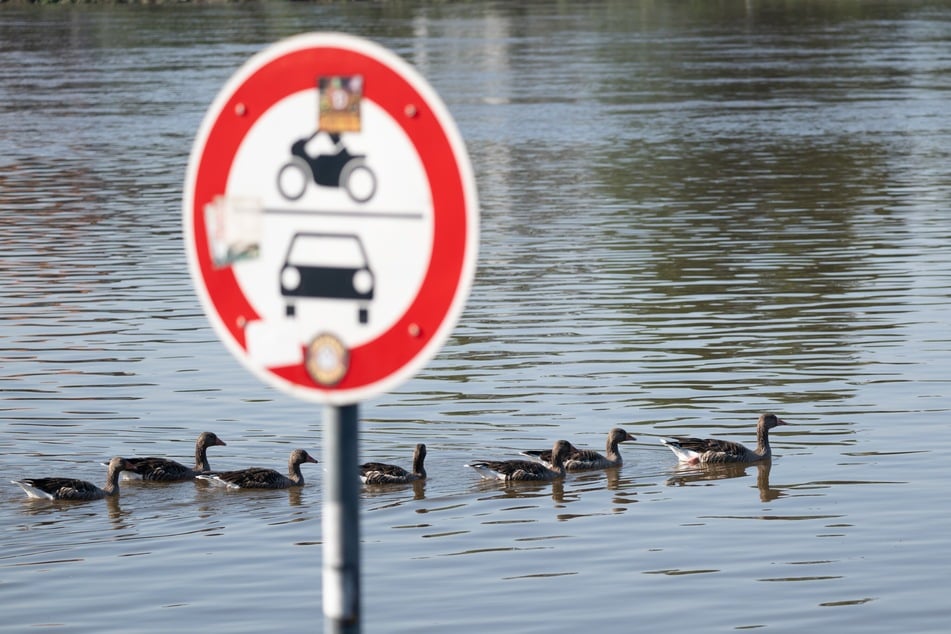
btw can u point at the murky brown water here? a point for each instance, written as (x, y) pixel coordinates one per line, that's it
(690, 214)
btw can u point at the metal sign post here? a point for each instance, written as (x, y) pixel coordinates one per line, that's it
(341, 521)
(330, 218)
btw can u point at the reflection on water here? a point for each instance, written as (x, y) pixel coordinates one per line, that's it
(692, 213)
(418, 487)
(687, 475)
(60, 508)
(528, 490)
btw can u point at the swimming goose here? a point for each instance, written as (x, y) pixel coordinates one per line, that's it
(715, 450)
(165, 470)
(586, 459)
(260, 478)
(381, 473)
(522, 470)
(73, 489)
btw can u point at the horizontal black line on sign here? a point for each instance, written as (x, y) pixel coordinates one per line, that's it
(388, 215)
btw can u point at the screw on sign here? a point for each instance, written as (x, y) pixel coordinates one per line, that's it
(330, 218)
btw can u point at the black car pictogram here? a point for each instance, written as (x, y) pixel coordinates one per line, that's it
(327, 266)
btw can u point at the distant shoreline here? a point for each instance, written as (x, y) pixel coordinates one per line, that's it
(121, 2)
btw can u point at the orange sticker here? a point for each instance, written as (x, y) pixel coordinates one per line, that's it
(339, 109)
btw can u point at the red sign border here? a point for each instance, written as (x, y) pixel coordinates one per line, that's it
(292, 66)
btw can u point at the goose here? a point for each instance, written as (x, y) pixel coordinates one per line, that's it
(260, 478)
(718, 451)
(524, 470)
(381, 473)
(73, 489)
(586, 459)
(165, 470)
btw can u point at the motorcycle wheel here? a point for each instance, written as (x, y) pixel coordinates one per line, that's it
(359, 181)
(292, 178)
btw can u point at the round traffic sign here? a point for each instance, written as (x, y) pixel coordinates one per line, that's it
(330, 218)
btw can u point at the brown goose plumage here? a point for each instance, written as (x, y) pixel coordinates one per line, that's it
(165, 470)
(525, 470)
(586, 459)
(73, 489)
(382, 473)
(718, 451)
(261, 478)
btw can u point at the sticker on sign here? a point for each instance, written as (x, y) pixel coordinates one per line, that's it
(330, 218)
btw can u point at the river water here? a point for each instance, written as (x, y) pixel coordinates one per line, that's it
(691, 213)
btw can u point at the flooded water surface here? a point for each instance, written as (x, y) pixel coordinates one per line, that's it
(691, 214)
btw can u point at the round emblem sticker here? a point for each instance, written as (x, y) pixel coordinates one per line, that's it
(327, 360)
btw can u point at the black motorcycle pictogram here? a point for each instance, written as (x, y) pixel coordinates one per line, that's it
(340, 169)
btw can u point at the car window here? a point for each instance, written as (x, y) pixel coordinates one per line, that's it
(327, 250)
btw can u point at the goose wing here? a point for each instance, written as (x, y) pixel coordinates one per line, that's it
(705, 449)
(577, 459)
(382, 473)
(715, 445)
(513, 469)
(60, 489)
(252, 478)
(161, 469)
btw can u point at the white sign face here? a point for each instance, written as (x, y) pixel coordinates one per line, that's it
(331, 218)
